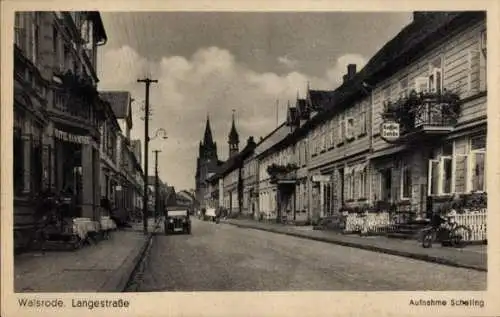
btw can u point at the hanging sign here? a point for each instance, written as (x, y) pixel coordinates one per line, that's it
(74, 138)
(389, 131)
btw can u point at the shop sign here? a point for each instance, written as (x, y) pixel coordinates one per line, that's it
(321, 178)
(389, 131)
(69, 137)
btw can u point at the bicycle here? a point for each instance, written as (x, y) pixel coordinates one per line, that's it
(458, 236)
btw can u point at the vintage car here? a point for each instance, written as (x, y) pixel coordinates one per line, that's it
(177, 220)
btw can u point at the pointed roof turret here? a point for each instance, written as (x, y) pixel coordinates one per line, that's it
(233, 134)
(208, 139)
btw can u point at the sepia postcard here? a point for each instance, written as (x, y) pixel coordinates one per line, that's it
(240, 158)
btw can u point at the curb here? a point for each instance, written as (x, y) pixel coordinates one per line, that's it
(120, 279)
(422, 257)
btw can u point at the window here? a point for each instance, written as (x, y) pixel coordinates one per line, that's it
(19, 31)
(403, 87)
(55, 44)
(386, 94)
(478, 162)
(361, 182)
(342, 130)
(350, 128)
(421, 84)
(332, 133)
(406, 182)
(435, 75)
(35, 36)
(362, 123)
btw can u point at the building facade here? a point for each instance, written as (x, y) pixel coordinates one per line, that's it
(125, 188)
(249, 178)
(441, 150)
(57, 111)
(266, 156)
(339, 145)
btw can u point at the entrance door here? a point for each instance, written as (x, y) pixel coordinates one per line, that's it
(341, 185)
(386, 184)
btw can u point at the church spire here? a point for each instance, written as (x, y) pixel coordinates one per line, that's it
(208, 139)
(233, 140)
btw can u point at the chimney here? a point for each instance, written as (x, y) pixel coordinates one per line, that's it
(351, 71)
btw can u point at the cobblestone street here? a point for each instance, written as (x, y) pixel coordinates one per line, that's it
(226, 258)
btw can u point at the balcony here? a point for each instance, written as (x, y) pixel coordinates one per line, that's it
(420, 116)
(76, 97)
(282, 174)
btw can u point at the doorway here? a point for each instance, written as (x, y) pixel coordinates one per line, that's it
(341, 186)
(386, 184)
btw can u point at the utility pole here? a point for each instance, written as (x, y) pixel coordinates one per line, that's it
(148, 82)
(156, 184)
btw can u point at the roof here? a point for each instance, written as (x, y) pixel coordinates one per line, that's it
(233, 162)
(272, 138)
(99, 27)
(416, 39)
(302, 108)
(119, 102)
(320, 98)
(410, 43)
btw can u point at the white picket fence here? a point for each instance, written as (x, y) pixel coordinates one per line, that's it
(382, 222)
(476, 222)
(371, 222)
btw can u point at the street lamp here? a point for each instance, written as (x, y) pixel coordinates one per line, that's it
(160, 132)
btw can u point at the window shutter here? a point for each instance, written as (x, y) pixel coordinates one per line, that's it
(473, 71)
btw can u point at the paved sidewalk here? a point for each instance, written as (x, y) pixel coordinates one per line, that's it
(104, 267)
(472, 257)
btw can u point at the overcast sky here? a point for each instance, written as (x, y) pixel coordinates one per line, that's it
(215, 62)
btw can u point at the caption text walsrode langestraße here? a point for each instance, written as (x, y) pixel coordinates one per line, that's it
(87, 303)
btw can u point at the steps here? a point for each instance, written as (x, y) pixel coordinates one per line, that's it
(408, 230)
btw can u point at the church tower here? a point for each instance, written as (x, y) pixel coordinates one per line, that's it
(233, 140)
(206, 162)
